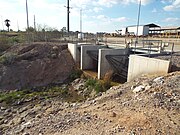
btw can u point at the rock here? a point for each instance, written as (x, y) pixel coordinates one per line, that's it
(113, 114)
(25, 133)
(27, 125)
(139, 89)
(159, 80)
(55, 48)
(147, 87)
(54, 56)
(3, 108)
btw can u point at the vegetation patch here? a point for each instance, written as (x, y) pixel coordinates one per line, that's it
(95, 85)
(8, 58)
(43, 93)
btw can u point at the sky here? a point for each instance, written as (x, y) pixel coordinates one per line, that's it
(97, 15)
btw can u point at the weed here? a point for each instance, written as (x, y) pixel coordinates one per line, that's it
(95, 85)
(90, 83)
(8, 58)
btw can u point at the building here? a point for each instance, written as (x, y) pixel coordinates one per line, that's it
(143, 30)
(165, 31)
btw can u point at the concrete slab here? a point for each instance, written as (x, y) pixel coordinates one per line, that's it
(139, 65)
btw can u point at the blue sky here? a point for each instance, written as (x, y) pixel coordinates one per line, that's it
(98, 15)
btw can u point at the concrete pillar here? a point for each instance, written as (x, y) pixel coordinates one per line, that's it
(139, 65)
(73, 50)
(103, 64)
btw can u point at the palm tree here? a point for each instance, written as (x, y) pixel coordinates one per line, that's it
(7, 23)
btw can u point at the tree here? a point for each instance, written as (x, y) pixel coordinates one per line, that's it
(7, 23)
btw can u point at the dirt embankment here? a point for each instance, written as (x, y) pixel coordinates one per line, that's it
(148, 105)
(34, 65)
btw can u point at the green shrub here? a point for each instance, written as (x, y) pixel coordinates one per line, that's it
(99, 88)
(95, 85)
(8, 58)
(90, 83)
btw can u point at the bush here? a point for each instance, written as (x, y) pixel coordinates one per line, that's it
(95, 85)
(8, 58)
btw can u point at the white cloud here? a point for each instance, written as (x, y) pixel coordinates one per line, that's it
(170, 20)
(97, 9)
(120, 19)
(107, 19)
(106, 3)
(175, 5)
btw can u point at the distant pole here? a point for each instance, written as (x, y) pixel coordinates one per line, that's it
(27, 22)
(139, 12)
(68, 15)
(34, 22)
(18, 25)
(2, 23)
(27, 15)
(81, 22)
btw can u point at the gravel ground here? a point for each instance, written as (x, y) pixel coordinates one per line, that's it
(149, 105)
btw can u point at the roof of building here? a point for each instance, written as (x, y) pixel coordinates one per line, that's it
(152, 25)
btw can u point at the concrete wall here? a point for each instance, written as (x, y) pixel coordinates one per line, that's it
(103, 64)
(86, 61)
(139, 65)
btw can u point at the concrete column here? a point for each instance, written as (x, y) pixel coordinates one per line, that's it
(139, 65)
(103, 64)
(75, 52)
(73, 49)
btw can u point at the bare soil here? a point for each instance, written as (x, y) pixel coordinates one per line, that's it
(153, 110)
(38, 64)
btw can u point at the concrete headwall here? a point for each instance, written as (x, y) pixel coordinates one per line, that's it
(86, 60)
(103, 64)
(139, 65)
(73, 48)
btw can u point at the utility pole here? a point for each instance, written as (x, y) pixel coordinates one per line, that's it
(81, 23)
(139, 12)
(18, 25)
(34, 22)
(27, 15)
(2, 23)
(28, 38)
(68, 15)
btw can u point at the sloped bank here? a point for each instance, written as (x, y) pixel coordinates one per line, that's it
(38, 64)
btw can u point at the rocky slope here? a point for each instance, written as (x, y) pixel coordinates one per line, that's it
(38, 64)
(148, 105)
